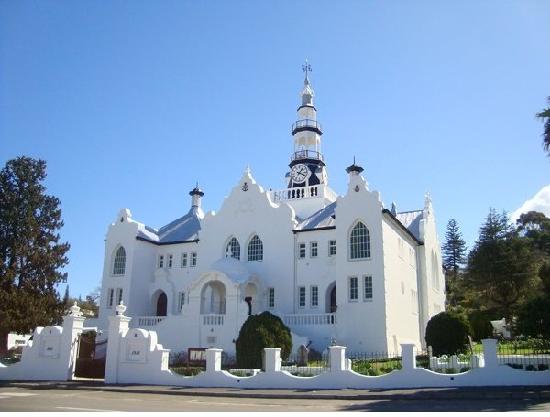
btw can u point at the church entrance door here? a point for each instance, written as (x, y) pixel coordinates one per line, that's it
(162, 304)
(330, 298)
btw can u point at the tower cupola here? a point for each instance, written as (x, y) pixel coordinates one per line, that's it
(196, 197)
(354, 169)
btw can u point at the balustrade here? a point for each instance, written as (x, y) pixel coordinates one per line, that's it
(328, 319)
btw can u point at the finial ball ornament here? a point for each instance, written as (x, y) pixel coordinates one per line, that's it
(120, 309)
(75, 310)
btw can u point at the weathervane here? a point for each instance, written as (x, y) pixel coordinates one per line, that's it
(306, 68)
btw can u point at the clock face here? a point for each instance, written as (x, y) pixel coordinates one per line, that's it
(299, 173)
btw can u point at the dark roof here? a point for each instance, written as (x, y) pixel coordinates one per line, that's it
(184, 229)
(322, 219)
(409, 221)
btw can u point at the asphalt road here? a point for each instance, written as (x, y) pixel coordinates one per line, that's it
(36, 398)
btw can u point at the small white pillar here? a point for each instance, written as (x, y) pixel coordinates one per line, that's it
(272, 359)
(213, 360)
(490, 353)
(337, 356)
(408, 356)
(73, 324)
(118, 327)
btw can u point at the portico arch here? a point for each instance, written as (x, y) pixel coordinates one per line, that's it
(213, 296)
(251, 297)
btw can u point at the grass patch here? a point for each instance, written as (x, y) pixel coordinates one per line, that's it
(187, 370)
(375, 367)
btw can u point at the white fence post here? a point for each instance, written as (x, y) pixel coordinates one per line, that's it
(213, 360)
(72, 327)
(408, 356)
(272, 359)
(337, 356)
(118, 327)
(490, 353)
(476, 361)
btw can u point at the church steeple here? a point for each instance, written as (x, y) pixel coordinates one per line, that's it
(307, 91)
(307, 165)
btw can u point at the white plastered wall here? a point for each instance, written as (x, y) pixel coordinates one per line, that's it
(361, 324)
(402, 325)
(431, 281)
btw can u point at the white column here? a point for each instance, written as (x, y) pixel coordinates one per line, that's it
(337, 356)
(272, 359)
(490, 353)
(213, 360)
(408, 356)
(118, 327)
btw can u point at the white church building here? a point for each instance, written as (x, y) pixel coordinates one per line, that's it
(336, 268)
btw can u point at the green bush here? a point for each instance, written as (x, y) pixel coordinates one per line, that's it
(533, 318)
(447, 334)
(480, 324)
(261, 331)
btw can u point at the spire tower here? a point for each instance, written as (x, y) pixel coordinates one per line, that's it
(307, 166)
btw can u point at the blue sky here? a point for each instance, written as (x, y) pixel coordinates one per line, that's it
(131, 102)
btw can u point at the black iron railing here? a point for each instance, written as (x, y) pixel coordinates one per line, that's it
(306, 123)
(307, 154)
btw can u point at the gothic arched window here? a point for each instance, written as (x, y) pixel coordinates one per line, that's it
(233, 249)
(255, 249)
(359, 242)
(119, 264)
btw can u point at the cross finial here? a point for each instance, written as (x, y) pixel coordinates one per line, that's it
(306, 68)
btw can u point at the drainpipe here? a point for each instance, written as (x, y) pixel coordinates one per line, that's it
(295, 277)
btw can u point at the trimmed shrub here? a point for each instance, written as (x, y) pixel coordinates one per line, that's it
(261, 331)
(480, 324)
(447, 334)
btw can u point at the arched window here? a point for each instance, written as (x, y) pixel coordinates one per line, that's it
(359, 242)
(255, 249)
(119, 265)
(233, 249)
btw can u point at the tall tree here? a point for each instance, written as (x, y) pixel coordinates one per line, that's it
(454, 255)
(496, 227)
(535, 226)
(544, 115)
(502, 269)
(31, 254)
(66, 298)
(454, 248)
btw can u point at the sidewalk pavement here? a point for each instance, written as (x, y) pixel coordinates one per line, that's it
(470, 393)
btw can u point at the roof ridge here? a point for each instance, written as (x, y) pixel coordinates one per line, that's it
(409, 211)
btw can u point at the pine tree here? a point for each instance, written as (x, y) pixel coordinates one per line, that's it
(454, 249)
(31, 254)
(502, 267)
(496, 227)
(454, 255)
